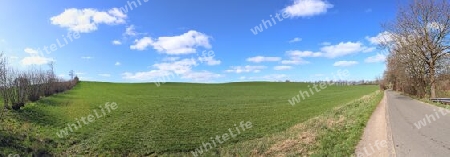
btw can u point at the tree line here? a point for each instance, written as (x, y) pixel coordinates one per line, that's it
(19, 87)
(418, 43)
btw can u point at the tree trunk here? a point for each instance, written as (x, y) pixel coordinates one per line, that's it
(432, 80)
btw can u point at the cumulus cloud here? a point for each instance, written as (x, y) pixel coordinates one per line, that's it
(307, 8)
(333, 51)
(343, 49)
(163, 69)
(87, 20)
(172, 69)
(376, 59)
(35, 58)
(186, 43)
(345, 63)
(259, 59)
(383, 37)
(142, 44)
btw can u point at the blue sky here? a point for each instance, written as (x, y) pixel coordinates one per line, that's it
(197, 40)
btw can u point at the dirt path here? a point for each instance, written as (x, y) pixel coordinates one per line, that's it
(376, 140)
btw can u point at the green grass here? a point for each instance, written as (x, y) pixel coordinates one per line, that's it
(334, 133)
(174, 118)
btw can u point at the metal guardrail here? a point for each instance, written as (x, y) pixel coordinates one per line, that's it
(441, 100)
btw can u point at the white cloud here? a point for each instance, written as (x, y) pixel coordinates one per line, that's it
(169, 71)
(87, 20)
(270, 77)
(142, 44)
(30, 51)
(209, 60)
(186, 43)
(345, 63)
(245, 69)
(302, 54)
(383, 37)
(104, 75)
(342, 49)
(282, 67)
(178, 67)
(298, 61)
(375, 59)
(333, 51)
(297, 39)
(36, 60)
(116, 42)
(259, 59)
(306, 8)
(275, 77)
(131, 31)
(435, 26)
(201, 76)
(145, 76)
(118, 64)
(171, 59)
(87, 57)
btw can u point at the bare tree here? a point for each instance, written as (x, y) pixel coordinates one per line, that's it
(3, 79)
(421, 32)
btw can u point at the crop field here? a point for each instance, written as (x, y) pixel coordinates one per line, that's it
(175, 117)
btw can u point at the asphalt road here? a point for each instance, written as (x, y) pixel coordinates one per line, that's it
(411, 138)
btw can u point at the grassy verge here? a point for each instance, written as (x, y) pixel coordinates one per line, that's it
(432, 103)
(334, 133)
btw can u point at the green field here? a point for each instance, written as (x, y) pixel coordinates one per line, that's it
(172, 118)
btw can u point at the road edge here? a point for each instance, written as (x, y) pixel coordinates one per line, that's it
(391, 146)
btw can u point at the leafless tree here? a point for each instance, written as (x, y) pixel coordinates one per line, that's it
(3, 79)
(18, 87)
(420, 36)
